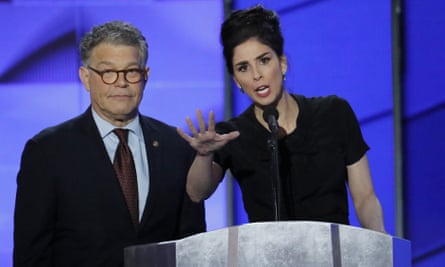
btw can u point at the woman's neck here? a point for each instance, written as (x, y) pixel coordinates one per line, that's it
(288, 111)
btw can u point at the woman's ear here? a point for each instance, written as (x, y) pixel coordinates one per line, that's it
(238, 84)
(283, 64)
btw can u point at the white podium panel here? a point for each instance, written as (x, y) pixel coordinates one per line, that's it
(289, 243)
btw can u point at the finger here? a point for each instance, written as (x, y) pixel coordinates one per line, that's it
(202, 126)
(184, 135)
(191, 127)
(211, 121)
(233, 135)
(227, 137)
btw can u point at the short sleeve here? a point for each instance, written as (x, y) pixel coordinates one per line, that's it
(354, 143)
(222, 156)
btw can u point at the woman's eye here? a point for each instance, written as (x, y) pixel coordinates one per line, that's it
(265, 60)
(242, 68)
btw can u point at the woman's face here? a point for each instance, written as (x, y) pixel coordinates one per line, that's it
(259, 71)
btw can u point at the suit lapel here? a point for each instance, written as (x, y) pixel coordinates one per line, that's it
(153, 142)
(103, 170)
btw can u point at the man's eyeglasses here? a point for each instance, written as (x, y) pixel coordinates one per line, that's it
(130, 75)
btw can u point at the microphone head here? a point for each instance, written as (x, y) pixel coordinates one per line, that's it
(270, 111)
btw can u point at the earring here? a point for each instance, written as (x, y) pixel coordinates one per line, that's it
(284, 76)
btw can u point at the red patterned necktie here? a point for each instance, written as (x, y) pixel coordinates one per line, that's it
(126, 173)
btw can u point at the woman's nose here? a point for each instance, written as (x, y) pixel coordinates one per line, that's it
(256, 74)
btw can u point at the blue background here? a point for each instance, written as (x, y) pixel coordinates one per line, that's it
(341, 47)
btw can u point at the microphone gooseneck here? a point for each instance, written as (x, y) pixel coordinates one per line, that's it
(270, 115)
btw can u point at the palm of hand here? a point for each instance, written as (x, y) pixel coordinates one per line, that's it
(206, 141)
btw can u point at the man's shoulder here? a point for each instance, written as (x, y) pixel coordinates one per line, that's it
(63, 129)
(155, 124)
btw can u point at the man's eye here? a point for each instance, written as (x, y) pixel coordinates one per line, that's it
(134, 71)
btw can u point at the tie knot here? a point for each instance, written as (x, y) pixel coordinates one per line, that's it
(122, 134)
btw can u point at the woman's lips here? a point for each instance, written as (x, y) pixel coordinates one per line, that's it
(263, 91)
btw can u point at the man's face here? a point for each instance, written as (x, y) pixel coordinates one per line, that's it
(118, 102)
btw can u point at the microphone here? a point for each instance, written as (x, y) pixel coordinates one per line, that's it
(270, 115)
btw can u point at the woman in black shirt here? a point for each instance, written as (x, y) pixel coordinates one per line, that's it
(321, 148)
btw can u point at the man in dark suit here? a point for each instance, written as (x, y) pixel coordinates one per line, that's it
(70, 207)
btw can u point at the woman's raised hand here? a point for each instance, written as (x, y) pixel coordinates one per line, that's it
(205, 141)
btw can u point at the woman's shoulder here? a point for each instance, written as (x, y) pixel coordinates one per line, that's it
(244, 120)
(321, 101)
(331, 104)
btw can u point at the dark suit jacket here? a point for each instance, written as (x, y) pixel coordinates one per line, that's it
(70, 210)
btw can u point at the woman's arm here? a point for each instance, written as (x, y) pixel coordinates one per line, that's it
(204, 174)
(203, 178)
(366, 203)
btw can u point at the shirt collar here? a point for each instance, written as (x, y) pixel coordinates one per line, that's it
(105, 128)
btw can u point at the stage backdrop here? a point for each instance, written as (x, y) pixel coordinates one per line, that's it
(424, 117)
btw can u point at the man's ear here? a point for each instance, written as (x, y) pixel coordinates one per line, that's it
(147, 73)
(84, 76)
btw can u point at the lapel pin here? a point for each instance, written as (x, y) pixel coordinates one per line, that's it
(155, 143)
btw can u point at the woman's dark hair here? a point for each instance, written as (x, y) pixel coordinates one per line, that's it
(255, 22)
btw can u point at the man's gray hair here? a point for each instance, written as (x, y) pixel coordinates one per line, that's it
(117, 33)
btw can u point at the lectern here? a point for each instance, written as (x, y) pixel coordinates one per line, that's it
(289, 243)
